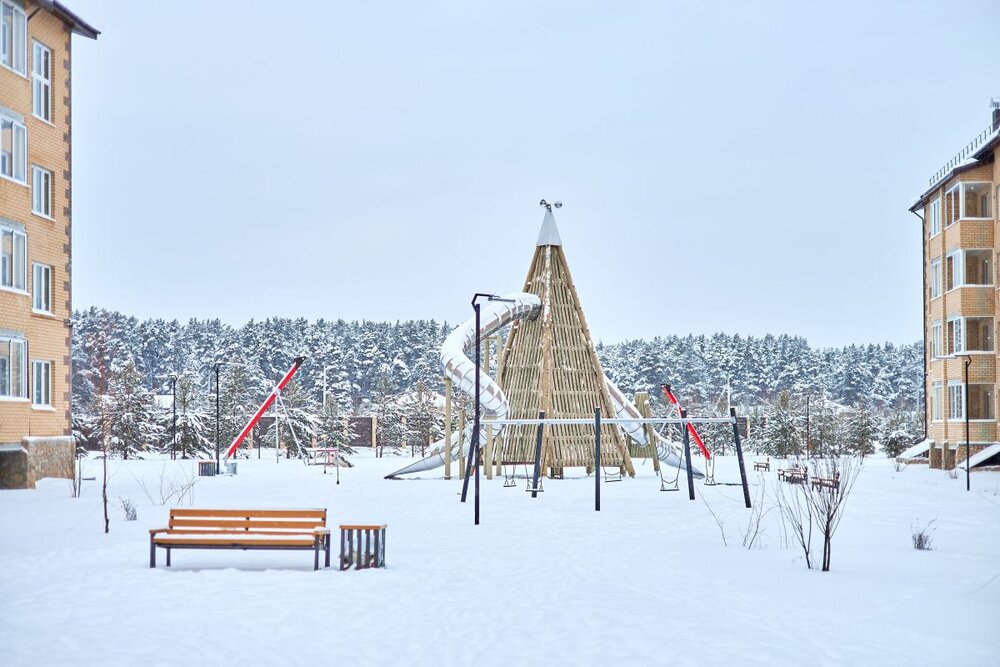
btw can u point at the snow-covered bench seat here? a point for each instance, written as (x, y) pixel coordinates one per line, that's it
(296, 529)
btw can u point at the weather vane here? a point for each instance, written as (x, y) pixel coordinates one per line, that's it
(548, 207)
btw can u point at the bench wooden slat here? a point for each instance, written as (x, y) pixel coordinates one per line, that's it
(244, 525)
(254, 513)
(229, 539)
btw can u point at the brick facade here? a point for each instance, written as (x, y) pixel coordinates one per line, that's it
(966, 232)
(22, 424)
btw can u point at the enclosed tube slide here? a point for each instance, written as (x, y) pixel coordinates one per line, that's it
(493, 316)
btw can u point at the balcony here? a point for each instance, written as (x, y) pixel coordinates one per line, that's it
(968, 201)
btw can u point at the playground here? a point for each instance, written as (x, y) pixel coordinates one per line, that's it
(648, 580)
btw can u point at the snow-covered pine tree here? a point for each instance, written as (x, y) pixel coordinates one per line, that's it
(782, 437)
(134, 422)
(860, 429)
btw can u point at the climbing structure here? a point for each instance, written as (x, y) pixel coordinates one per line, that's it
(549, 364)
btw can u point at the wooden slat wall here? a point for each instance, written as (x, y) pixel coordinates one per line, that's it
(551, 364)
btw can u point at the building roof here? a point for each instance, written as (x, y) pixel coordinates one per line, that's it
(549, 234)
(75, 23)
(975, 159)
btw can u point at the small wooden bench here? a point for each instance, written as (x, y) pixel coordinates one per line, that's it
(793, 475)
(827, 482)
(762, 465)
(352, 554)
(294, 529)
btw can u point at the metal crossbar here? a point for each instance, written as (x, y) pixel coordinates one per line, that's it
(583, 421)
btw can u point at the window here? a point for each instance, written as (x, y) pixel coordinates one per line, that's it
(936, 340)
(13, 36)
(937, 389)
(967, 200)
(956, 341)
(978, 267)
(980, 401)
(13, 383)
(935, 278)
(41, 82)
(41, 285)
(13, 259)
(13, 149)
(41, 191)
(41, 383)
(953, 270)
(935, 217)
(956, 400)
(979, 334)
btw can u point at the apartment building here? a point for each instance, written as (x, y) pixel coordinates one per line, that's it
(961, 241)
(35, 239)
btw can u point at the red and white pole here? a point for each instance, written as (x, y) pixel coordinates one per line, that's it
(668, 392)
(263, 407)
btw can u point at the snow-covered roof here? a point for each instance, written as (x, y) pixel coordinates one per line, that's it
(549, 234)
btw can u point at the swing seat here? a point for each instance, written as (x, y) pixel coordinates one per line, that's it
(508, 482)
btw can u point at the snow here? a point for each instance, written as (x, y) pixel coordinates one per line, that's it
(547, 581)
(918, 449)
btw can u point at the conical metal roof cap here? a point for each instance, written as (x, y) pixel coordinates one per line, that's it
(549, 234)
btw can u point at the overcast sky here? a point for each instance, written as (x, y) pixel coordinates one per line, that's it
(738, 167)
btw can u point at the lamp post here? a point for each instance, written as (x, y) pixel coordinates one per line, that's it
(325, 369)
(474, 445)
(217, 366)
(968, 361)
(173, 422)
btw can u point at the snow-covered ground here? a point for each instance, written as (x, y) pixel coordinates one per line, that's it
(547, 581)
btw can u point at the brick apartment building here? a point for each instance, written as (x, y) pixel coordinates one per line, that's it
(961, 241)
(35, 239)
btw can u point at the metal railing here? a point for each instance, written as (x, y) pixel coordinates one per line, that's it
(964, 154)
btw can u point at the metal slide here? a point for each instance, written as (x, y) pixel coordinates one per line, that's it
(494, 315)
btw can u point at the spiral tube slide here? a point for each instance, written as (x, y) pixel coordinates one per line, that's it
(493, 316)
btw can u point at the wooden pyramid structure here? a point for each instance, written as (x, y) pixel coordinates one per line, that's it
(550, 364)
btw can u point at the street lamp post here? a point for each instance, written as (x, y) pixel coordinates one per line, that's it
(173, 422)
(474, 445)
(217, 366)
(968, 361)
(325, 369)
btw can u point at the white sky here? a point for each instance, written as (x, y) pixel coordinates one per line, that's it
(724, 167)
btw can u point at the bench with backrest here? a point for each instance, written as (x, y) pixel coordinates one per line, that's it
(794, 475)
(827, 482)
(295, 529)
(762, 465)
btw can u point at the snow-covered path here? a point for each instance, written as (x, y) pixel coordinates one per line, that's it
(548, 581)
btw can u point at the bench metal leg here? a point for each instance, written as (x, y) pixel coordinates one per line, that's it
(326, 540)
(316, 542)
(152, 552)
(168, 556)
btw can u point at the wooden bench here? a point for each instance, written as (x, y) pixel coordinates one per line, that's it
(352, 554)
(793, 475)
(294, 529)
(827, 482)
(762, 465)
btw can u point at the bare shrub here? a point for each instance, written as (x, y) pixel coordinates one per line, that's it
(899, 465)
(754, 532)
(719, 522)
(793, 504)
(953, 473)
(170, 489)
(128, 507)
(810, 505)
(922, 536)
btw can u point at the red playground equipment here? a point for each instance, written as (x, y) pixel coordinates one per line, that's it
(271, 397)
(669, 393)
